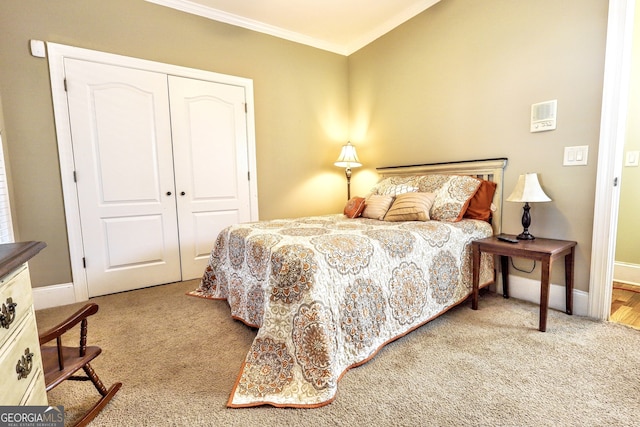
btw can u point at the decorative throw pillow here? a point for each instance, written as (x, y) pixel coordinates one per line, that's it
(480, 204)
(411, 207)
(399, 189)
(453, 198)
(395, 185)
(376, 206)
(354, 207)
(431, 183)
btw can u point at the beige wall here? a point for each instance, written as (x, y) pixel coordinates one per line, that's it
(301, 106)
(457, 82)
(628, 236)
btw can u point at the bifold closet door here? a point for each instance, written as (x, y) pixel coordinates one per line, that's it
(121, 138)
(209, 130)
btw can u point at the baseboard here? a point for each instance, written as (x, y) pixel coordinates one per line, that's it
(626, 273)
(529, 290)
(519, 287)
(53, 296)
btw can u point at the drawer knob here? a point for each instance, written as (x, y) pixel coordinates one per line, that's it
(25, 364)
(8, 313)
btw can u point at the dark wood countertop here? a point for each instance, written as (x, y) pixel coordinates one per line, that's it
(13, 255)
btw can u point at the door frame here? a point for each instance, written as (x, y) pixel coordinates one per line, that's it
(615, 95)
(56, 55)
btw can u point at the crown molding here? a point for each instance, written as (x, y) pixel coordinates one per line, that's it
(388, 25)
(250, 24)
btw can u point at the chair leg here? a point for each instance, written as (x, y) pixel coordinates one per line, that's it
(107, 395)
(94, 379)
(95, 410)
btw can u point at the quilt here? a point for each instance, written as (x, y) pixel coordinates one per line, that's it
(327, 292)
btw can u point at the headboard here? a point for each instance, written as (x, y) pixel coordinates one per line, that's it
(489, 169)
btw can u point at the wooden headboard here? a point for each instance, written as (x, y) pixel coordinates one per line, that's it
(489, 169)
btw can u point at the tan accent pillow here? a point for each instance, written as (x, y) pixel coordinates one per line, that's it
(411, 207)
(376, 206)
(354, 207)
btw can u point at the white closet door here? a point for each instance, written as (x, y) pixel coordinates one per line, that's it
(121, 134)
(209, 129)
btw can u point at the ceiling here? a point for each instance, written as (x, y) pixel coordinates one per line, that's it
(339, 26)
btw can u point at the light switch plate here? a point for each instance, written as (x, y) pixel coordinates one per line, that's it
(631, 159)
(576, 156)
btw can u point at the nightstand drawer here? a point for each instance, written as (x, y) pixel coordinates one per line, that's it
(15, 356)
(15, 301)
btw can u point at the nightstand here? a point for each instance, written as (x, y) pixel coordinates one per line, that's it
(544, 250)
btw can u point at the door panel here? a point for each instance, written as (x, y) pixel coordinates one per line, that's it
(210, 156)
(121, 140)
(124, 135)
(125, 252)
(206, 226)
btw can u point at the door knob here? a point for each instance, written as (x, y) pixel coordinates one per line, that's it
(182, 193)
(168, 193)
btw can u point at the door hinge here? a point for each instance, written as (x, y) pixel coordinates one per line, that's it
(75, 177)
(84, 262)
(615, 181)
(245, 107)
(65, 85)
(248, 176)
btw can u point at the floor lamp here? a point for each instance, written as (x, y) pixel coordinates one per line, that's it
(348, 159)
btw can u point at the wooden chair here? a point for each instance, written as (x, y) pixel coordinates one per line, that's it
(61, 363)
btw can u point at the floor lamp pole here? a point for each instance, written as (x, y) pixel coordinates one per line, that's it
(347, 173)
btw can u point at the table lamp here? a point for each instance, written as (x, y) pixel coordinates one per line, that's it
(527, 190)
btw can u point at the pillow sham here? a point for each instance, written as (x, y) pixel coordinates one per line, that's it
(395, 185)
(376, 206)
(431, 183)
(480, 204)
(411, 207)
(453, 197)
(354, 207)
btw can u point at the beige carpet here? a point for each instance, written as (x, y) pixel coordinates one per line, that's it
(178, 357)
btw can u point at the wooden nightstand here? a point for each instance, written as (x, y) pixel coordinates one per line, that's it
(544, 250)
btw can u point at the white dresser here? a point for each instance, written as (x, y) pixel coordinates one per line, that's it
(20, 363)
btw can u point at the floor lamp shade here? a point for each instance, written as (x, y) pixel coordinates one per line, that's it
(527, 191)
(348, 159)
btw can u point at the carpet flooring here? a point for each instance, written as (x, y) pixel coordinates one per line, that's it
(178, 358)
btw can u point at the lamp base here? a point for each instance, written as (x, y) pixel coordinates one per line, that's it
(525, 236)
(526, 222)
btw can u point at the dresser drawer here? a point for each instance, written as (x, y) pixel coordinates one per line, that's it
(15, 288)
(36, 394)
(13, 388)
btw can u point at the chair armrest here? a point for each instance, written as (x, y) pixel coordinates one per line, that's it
(86, 311)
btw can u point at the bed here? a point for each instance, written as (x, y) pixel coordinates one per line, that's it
(328, 292)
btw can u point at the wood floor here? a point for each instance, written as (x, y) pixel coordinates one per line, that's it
(625, 304)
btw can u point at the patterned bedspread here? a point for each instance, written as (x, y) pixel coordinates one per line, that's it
(328, 292)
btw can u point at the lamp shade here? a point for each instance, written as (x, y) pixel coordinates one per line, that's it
(348, 157)
(528, 190)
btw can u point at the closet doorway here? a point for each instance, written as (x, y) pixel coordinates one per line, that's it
(161, 159)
